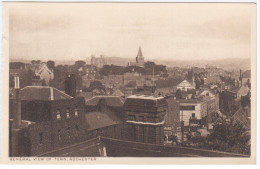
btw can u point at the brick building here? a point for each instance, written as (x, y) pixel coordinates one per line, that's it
(44, 119)
(145, 119)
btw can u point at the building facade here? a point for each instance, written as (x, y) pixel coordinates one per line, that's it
(145, 119)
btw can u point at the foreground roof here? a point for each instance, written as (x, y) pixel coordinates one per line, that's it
(42, 93)
(98, 120)
(112, 101)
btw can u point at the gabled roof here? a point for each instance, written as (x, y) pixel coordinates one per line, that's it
(167, 83)
(117, 92)
(42, 93)
(246, 74)
(44, 67)
(112, 101)
(97, 120)
(190, 81)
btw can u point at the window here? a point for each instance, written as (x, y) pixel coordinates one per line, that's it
(77, 131)
(58, 115)
(59, 134)
(141, 118)
(131, 117)
(41, 138)
(68, 132)
(68, 113)
(76, 112)
(187, 107)
(193, 115)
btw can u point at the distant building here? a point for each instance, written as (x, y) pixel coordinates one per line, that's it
(238, 92)
(199, 111)
(186, 85)
(99, 62)
(44, 73)
(246, 77)
(145, 118)
(139, 59)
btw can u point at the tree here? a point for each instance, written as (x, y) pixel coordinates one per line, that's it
(96, 85)
(79, 63)
(51, 64)
(35, 62)
(229, 137)
(178, 94)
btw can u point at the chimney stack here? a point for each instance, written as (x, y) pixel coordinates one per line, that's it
(70, 85)
(17, 110)
(14, 150)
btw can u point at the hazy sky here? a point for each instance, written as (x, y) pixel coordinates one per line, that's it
(164, 31)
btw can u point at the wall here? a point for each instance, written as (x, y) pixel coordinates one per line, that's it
(187, 114)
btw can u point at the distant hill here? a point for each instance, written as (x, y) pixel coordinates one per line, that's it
(227, 64)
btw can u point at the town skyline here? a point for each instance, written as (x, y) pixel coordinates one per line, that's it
(180, 31)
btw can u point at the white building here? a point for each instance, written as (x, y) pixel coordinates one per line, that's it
(44, 73)
(186, 85)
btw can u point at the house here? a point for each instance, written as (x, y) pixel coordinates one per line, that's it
(200, 111)
(186, 85)
(44, 73)
(238, 92)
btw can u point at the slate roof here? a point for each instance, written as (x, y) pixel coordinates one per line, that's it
(97, 120)
(112, 101)
(167, 83)
(42, 93)
(242, 117)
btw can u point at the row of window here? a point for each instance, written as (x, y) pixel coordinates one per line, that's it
(187, 107)
(59, 134)
(76, 114)
(145, 119)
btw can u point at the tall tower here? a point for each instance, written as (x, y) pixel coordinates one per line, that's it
(140, 58)
(70, 85)
(144, 117)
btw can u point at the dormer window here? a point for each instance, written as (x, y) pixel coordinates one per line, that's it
(76, 112)
(68, 113)
(58, 115)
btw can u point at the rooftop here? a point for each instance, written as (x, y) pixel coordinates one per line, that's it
(148, 97)
(42, 93)
(112, 101)
(97, 120)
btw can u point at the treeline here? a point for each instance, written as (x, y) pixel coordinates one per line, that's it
(148, 69)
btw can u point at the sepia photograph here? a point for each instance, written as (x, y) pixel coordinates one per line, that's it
(145, 81)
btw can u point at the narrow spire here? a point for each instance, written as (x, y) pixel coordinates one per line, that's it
(139, 52)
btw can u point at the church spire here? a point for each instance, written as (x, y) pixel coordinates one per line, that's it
(139, 52)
